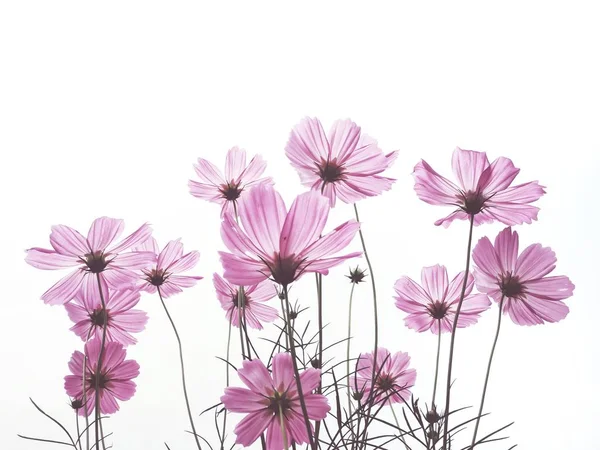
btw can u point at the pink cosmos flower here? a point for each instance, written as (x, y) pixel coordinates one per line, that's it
(226, 190)
(344, 164)
(435, 301)
(169, 263)
(393, 377)
(283, 245)
(114, 378)
(120, 319)
(93, 255)
(530, 297)
(254, 295)
(267, 394)
(484, 190)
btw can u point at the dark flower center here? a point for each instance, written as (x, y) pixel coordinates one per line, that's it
(235, 299)
(511, 287)
(157, 277)
(330, 171)
(96, 262)
(99, 317)
(231, 191)
(437, 309)
(473, 202)
(102, 380)
(356, 275)
(277, 401)
(384, 382)
(284, 270)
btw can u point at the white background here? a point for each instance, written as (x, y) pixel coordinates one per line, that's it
(104, 108)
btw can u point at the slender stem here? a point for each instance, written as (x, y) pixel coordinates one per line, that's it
(453, 335)
(187, 402)
(226, 381)
(282, 426)
(348, 350)
(240, 307)
(319, 279)
(85, 405)
(487, 374)
(99, 365)
(376, 320)
(296, 372)
(399, 428)
(77, 425)
(437, 363)
(102, 435)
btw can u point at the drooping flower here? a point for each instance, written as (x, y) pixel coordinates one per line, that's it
(168, 264)
(271, 396)
(432, 305)
(120, 318)
(227, 190)
(272, 242)
(93, 256)
(393, 378)
(114, 378)
(254, 311)
(484, 190)
(345, 164)
(530, 296)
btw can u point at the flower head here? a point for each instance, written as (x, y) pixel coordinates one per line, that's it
(227, 190)
(484, 190)
(271, 396)
(94, 256)
(432, 305)
(253, 296)
(272, 242)
(530, 296)
(393, 378)
(357, 276)
(345, 164)
(119, 317)
(114, 378)
(168, 264)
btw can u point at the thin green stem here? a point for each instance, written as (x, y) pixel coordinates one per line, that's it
(487, 374)
(376, 319)
(240, 308)
(399, 428)
(348, 350)
(437, 363)
(226, 381)
(319, 279)
(187, 402)
(290, 333)
(99, 366)
(453, 335)
(78, 432)
(282, 427)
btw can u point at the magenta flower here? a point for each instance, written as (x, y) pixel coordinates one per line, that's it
(484, 190)
(114, 379)
(530, 297)
(120, 319)
(254, 311)
(270, 396)
(344, 164)
(393, 377)
(92, 256)
(226, 190)
(169, 263)
(280, 244)
(435, 301)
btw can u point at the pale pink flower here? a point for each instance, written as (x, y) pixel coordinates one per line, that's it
(227, 190)
(280, 244)
(168, 264)
(530, 297)
(93, 255)
(267, 394)
(483, 191)
(393, 378)
(114, 379)
(120, 318)
(434, 301)
(254, 311)
(344, 164)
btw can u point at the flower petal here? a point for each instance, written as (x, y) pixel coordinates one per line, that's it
(434, 280)
(103, 232)
(65, 289)
(42, 258)
(67, 241)
(433, 188)
(535, 262)
(235, 162)
(550, 288)
(343, 139)
(468, 166)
